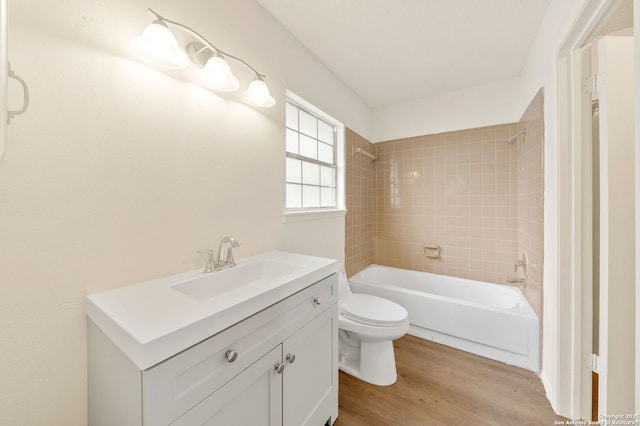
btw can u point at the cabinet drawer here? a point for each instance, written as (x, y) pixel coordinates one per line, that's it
(176, 385)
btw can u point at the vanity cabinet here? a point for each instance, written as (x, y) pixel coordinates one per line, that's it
(277, 367)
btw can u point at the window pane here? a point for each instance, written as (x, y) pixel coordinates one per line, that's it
(292, 116)
(308, 124)
(310, 173)
(294, 170)
(310, 142)
(294, 196)
(325, 153)
(327, 176)
(308, 147)
(327, 197)
(292, 141)
(311, 196)
(325, 132)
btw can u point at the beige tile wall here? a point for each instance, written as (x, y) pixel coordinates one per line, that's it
(359, 200)
(457, 190)
(530, 157)
(469, 192)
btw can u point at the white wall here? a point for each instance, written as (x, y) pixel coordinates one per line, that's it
(494, 103)
(118, 173)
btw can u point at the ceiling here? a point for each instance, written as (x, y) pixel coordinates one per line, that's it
(392, 51)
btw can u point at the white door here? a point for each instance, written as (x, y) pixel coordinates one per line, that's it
(310, 382)
(617, 226)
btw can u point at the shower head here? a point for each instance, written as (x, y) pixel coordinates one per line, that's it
(513, 138)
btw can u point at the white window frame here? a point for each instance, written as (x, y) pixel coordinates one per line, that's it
(296, 215)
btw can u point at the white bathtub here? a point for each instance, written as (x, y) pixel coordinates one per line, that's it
(491, 320)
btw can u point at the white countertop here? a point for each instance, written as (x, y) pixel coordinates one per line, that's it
(151, 321)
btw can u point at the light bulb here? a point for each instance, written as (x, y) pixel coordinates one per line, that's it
(258, 94)
(217, 75)
(158, 45)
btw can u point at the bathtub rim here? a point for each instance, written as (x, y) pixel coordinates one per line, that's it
(524, 310)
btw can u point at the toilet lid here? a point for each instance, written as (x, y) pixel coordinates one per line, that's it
(373, 310)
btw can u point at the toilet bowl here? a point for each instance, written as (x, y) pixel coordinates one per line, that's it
(367, 327)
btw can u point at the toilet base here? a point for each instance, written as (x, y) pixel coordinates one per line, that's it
(373, 362)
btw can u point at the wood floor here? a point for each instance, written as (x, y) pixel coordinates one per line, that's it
(438, 385)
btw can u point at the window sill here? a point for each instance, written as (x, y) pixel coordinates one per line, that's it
(309, 215)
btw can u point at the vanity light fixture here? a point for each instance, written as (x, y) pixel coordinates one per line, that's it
(258, 93)
(159, 46)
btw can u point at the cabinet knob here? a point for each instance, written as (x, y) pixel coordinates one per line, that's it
(291, 358)
(317, 300)
(279, 368)
(231, 355)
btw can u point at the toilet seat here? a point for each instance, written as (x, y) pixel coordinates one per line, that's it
(373, 310)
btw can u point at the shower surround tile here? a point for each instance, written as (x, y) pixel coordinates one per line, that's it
(479, 198)
(457, 190)
(468, 191)
(359, 221)
(530, 153)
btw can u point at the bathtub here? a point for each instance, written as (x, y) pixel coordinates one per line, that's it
(491, 320)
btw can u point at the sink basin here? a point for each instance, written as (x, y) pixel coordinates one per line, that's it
(235, 279)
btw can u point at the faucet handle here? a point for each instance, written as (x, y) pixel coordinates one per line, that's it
(523, 263)
(210, 260)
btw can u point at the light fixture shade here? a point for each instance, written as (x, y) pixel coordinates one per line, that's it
(158, 45)
(258, 94)
(217, 75)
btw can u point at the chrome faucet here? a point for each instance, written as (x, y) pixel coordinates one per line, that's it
(215, 263)
(228, 262)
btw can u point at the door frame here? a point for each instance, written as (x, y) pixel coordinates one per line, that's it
(574, 278)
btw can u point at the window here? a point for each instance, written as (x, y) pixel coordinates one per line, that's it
(313, 158)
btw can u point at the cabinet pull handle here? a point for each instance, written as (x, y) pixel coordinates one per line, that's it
(317, 300)
(279, 368)
(291, 358)
(231, 355)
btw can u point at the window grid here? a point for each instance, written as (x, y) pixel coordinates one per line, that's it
(305, 191)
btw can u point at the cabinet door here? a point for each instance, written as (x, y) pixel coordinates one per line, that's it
(254, 397)
(310, 382)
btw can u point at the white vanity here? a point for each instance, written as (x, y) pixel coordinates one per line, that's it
(252, 345)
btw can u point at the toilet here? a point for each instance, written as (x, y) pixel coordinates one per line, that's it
(367, 327)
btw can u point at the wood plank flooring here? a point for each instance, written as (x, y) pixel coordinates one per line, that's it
(438, 385)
